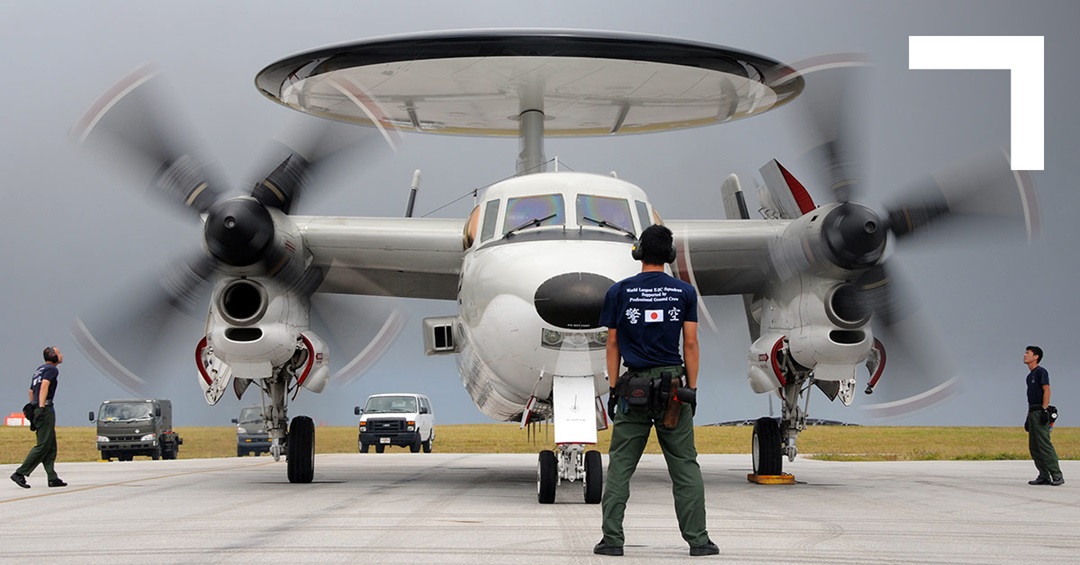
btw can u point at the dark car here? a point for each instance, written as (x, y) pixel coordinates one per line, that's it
(251, 434)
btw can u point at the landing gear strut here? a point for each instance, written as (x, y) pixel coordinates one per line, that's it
(295, 441)
(776, 438)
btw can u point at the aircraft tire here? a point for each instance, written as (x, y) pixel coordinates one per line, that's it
(300, 450)
(547, 475)
(593, 485)
(768, 455)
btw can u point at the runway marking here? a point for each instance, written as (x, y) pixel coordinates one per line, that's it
(64, 490)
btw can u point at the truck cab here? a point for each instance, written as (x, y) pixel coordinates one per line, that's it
(401, 419)
(136, 426)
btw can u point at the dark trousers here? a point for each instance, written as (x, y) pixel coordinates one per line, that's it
(1042, 450)
(45, 450)
(628, 438)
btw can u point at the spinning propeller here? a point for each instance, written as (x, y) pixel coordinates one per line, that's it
(131, 125)
(976, 196)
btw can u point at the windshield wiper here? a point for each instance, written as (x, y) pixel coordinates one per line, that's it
(606, 224)
(535, 222)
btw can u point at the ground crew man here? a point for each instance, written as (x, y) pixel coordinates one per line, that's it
(1038, 421)
(646, 315)
(42, 392)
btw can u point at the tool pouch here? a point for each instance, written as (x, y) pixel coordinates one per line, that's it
(636, 389)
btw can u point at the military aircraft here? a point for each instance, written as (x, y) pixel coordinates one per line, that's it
(529, 267)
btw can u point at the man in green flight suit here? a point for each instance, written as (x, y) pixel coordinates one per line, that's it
(646, 315)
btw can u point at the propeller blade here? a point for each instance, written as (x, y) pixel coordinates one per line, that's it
(358, 329)
(125, 339)
(879, 291)
(134, 126)
(828, 102)
(313, 146)
(920, 373)
(982, 190)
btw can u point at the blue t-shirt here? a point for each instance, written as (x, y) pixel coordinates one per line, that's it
(647, 311)
(45, 372)
(1035, 381)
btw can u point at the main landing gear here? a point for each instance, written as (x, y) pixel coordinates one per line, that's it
(297, 442)
(571, 463)
(774, 438)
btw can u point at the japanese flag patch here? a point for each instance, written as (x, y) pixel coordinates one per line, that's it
(654, 315)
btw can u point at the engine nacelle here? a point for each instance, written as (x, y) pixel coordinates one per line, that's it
(815, 324)
(255, 329)
(830, 241)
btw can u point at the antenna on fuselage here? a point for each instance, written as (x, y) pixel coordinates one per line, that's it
(412, 193)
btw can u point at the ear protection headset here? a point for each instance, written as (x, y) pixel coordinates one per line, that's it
(50, 355)
(636, 253)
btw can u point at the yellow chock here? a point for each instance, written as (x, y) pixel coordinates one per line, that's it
(781, 479)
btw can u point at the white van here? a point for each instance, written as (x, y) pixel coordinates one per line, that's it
(403, 419)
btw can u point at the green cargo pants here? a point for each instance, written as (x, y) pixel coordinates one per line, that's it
(45, 450)
(1042, 450)
(628, 438)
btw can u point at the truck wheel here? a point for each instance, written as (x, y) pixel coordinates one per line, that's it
(240, 452)
(155, 453)
(427, 444)
(379, 448)
(300, 450)
(415, 446)
(364, 447)
(124, 457)
(547, 474)
(105, 457)
(594, 477)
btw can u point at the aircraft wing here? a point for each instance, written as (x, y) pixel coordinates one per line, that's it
(406, 257)
(725, 256)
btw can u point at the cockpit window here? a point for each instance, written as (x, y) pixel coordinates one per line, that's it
(604, 211)
(491, 215)
(643, 214)
(534, 211)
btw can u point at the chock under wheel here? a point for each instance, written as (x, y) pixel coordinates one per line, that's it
(781, 479)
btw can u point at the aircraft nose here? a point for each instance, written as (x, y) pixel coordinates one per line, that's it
(572, 300)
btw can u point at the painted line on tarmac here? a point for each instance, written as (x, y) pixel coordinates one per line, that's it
(64, 490)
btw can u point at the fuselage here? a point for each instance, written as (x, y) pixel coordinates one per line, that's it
(544, 250)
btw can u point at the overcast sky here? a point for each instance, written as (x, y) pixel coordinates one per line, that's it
(80, 235)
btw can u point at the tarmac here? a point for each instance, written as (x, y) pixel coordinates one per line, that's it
(481, 508)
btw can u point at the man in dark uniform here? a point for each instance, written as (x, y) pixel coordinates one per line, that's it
(646, 315)
(42, 391)
(1038, 421)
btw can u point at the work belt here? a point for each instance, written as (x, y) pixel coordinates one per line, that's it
(649, 388)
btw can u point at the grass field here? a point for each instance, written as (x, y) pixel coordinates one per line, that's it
(837, 443)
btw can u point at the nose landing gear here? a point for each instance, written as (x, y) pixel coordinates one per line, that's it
(572, 463)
